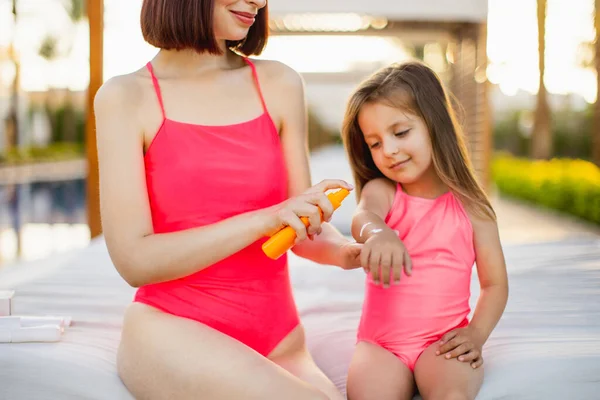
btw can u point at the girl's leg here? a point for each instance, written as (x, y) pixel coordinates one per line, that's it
(438, 378)
(166, 357)
(375, 373)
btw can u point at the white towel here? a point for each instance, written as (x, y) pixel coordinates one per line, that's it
(44, 333)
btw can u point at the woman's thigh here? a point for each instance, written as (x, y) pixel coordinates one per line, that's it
(166, 357)
(292, 355)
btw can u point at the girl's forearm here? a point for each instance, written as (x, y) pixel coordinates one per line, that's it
(489, 309)
(367, 223)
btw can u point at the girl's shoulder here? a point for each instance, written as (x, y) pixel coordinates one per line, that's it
(378, 195)
(381, 188)
(481, 222)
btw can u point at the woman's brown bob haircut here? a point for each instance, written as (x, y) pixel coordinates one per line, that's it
(188, 24)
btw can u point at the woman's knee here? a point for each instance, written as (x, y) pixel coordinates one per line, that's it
(448, 395)
(318, 395)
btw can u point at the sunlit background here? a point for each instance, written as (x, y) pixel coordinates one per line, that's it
(512, 45)
(53, 52)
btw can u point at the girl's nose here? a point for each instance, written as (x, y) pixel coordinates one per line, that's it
(390, 147)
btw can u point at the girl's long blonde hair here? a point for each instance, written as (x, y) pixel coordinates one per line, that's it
(414, 87)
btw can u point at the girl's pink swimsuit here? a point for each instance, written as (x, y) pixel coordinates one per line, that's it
(406, 318)
(198, 175)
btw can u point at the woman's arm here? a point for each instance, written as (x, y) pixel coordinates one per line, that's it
(139, 255)
(328, 246)
(288, 88)
(491, 269)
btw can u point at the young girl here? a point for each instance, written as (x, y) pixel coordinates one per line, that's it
(423, 221)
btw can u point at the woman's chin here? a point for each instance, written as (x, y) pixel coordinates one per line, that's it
(236, 36)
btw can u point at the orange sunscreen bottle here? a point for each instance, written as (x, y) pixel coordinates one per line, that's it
(284, 239)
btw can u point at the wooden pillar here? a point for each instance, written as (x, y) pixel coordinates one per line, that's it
(95, 10)
(470, 86)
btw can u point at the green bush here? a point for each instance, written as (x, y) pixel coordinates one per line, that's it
(67, 123)
(568, 185)
(509, 136)
(571, 133)
(53, 152)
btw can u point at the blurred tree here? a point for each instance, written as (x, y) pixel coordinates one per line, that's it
(596, 118)
(12, 118)
(587, 58)
(541, 140)
(50, 50)
(419, 51)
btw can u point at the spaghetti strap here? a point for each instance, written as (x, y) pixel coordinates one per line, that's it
(255, 76)
(156, 89)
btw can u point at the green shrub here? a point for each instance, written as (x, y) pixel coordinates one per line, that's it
(568, 185)
(571, 133)
(52, 152)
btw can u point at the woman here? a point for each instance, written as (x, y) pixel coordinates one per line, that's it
(191, 181)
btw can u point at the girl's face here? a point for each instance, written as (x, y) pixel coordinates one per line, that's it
(232, 19)
(399, 142)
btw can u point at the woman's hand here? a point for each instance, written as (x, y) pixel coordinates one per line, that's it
(384, 254)
(350, 255)
(464, 344)
(309, 204)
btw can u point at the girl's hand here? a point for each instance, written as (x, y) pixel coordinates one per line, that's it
(384, 254)
(307, 205)
(462, 343)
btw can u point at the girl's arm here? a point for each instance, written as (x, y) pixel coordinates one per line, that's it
(466, 343)
(375, 202)
(493, 279)
(383, 253)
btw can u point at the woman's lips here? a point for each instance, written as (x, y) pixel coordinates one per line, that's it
(244, 17)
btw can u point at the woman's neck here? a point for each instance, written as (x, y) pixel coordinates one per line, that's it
(189, 63)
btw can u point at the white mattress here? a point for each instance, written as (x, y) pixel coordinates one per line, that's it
(547, 345)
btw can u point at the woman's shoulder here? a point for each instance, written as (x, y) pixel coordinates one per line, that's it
(119, 91)
(278, 74)
(284, 92)
(121, 102)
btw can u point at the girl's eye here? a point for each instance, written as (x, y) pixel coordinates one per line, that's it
(400, 134)
(374, 145)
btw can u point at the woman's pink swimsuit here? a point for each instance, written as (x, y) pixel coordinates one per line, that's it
(198, 175)
(406, 318)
